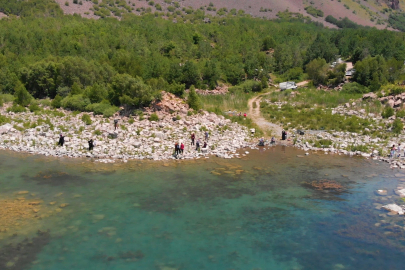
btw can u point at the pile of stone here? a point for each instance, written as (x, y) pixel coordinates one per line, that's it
(219, 90)
(135, 138)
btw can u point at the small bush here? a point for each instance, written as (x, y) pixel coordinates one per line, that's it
(97, 132)
(16, 108)
(75, 102)
(4, 119)
(354, 88)
(45, 102)
(34, 107)
(57, 102)
(7, 97)
(131, 121)
(400, 114)
(103, 108)
(397, 126)
(387, 112)
(154, 117)
(86, 119)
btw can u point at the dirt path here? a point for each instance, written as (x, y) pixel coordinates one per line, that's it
(254, 113)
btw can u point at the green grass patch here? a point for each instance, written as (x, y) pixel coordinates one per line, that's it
(313, 119)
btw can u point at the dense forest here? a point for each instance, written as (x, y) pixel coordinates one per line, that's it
(92, 64)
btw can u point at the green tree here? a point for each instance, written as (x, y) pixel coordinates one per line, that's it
(22, 97)
(268, 43)
(317, 71)
(193, 99)
(191, 74)
(371, 72)
(322, 47)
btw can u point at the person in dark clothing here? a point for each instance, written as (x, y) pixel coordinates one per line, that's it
(283, 135)
(176, 148)
(192, 139)
(91, 145)
(205, 145)
(61, 140)
(115, 124)
(197, 145)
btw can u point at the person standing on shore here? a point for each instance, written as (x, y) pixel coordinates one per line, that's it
(197, 145)
(182, 148)
(176, 148)
(399, 150)
(207, 135)
(192, 139)
(61, 140)
(91, 145)
(392, 153)
(115, 124)
(283, 135)
(244, 115)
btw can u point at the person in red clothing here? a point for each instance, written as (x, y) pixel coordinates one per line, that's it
(244, 115)
(182, 148)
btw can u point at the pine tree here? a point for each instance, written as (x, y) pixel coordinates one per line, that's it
(193, 99)
(22, 97)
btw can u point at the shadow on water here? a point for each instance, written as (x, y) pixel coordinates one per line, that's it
(20, 256)
(56, 178)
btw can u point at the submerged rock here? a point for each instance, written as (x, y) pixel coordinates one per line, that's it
(381, 192)
(394, 208)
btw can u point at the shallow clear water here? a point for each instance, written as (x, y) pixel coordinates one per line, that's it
(250, 213)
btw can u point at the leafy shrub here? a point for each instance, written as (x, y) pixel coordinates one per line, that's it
(400, 114)
(86, 119)
(63, 91)
(97, 132)
(387, 112)
(75, 102)
(34, 107)
(4, 119)
(154, 117)
(397, 21)
(45, 102)
(397, 126)
(355, 88)
(57, 102)
(396, 90)
(193, 99)
(314, 12)
(103, 108)
(16, 108)
(7, 97)
(22, 97)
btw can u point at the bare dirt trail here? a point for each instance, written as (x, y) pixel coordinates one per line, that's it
(268, 127)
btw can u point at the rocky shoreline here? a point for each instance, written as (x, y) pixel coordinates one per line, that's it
(135, 138)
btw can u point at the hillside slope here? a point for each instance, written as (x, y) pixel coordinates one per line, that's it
(363, 12)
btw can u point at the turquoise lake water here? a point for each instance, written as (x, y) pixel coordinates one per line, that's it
(249, 213)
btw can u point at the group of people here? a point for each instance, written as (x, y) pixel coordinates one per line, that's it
(61, 142)
(261, 141)
(179, 148)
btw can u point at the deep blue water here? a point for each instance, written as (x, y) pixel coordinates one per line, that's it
(250, 213)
